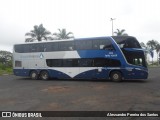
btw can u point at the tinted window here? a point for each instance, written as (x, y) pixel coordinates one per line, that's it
(18, 63)
(33, 47)
(135, 58)
(66, 46)
(103, 44)
(26, 48)
(54, 63)
(126, 42)
(85, 62)
(100, 62)
(83, 44)
(70, 63)
(114, 63)
(40, 47)
(19, 48)
(103, 62)
(50, 47)
(97, 62)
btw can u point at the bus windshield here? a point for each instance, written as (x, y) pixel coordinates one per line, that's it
(135, 58)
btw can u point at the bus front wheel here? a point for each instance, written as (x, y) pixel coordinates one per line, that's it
(116, 76)
(44, 75)
(34, 75)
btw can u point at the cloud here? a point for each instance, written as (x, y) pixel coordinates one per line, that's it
(85, 18)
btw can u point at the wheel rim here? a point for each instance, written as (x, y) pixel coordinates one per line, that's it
(115, 76)
(44, 75)
(34, 75)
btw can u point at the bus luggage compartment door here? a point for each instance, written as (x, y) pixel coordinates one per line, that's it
(100, 73)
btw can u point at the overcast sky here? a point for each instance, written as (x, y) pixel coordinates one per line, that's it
(85, 18)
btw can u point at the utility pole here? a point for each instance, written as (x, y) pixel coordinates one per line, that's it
(112, 24)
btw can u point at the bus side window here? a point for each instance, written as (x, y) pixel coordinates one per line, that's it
(114, 63)
(100, 62)
(78, 45)
(103, 44)
(54, 63)
(18, 63)
(70, 63)
(19, 48)
(26, 48)
(69, 46)
(40, 48)
(107, 45)
(96, 45)
(67, 63)
(83, 45)
(66, 46)
(85, 63)
(48, 47)
(33, 48)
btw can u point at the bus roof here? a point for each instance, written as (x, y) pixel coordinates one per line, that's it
(118, 39)
(89, 38)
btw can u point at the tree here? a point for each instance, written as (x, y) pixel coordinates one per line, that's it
(5, 57)
(146, 50)
(158, 51)
(38, 33)
(121, 32)
(143, 45)
(63, 34)
(152, 45)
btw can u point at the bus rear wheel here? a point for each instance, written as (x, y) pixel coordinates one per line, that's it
(116, 76)
(44, 75)
(34, 75)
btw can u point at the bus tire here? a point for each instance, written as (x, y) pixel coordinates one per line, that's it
(116, 76)
(44, 75)
(34, 75)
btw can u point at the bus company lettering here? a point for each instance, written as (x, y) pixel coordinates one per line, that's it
(29, 56)
(111, 55)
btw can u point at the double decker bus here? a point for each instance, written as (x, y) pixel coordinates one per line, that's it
(116, 58)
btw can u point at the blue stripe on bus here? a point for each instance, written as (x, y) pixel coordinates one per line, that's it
(90, 74)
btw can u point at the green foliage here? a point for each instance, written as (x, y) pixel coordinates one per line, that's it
(63, 34)
(121, 32)
(4, 69)
(5, 62)
(6, 58)
(38, 33)
(152, 44)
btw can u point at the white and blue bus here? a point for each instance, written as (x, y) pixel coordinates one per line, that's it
(115, 58)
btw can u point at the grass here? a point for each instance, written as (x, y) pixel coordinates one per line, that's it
(5, 69)
(154, 66)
